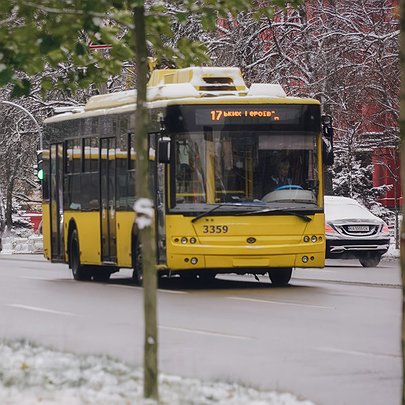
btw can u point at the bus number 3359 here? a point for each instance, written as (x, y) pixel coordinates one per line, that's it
(215, 229)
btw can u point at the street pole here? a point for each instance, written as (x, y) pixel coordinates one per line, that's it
(29, 115)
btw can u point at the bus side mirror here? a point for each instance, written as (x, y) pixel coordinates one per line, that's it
(164, 150)
(327, 140)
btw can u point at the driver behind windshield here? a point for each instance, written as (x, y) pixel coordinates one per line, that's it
(282, 175)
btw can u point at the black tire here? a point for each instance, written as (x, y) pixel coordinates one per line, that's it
(80, 273)
(137, 274)
(206, 276)
(101, 274)
(189, 276)
(281, 276)
(370, 260)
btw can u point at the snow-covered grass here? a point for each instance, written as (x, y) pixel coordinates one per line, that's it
(15, 245)
(31, 374)
(21, 240)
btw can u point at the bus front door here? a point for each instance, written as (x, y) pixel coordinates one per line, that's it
(108, 201)
(56, 201)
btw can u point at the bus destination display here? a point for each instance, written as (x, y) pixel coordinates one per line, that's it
(293, 117)
(217, 115)
(248, 115)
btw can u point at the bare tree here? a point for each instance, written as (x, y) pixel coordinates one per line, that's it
(343, 53)
(17, 145)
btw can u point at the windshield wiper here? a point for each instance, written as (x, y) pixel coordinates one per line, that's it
(306, 218)
(204, 214)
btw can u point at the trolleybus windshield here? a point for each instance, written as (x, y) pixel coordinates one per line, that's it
(258, 154)
(254, 167)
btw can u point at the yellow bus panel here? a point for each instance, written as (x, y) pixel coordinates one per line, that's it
(245, 241)
(88, 228)
(125, 221)
(46, 230)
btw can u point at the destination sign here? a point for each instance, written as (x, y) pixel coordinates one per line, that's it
(275, 117)
(218, 114)
(256, 115)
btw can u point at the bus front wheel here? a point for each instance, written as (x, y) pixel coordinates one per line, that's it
(78, 270)
(280, 277)
(206, 276)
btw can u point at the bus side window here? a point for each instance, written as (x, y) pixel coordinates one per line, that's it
(69, 156)
(94, 156)
(131, 170)
(86, 155)
(131, 151)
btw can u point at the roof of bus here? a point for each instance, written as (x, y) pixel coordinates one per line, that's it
(189, 101)
(195, 85)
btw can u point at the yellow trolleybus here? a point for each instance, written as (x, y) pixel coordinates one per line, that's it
(236, 174)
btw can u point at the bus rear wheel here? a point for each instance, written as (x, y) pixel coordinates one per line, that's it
(281, 276)
(101, 274)
(137, 274)
(79, 271)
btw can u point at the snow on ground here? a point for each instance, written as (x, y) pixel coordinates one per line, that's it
(31, 375)
(15, 245)
(21, 240)
(392, 252)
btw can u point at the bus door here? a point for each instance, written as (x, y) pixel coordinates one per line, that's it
(108, 200)
(56, 201)
(159, 190)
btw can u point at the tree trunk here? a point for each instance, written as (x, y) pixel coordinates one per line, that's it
(145, 222)
(402, 132)
(396, 214)
(9, 194)
(9, 203)
(2, 213)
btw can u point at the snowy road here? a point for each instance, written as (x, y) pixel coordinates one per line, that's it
(331, 337)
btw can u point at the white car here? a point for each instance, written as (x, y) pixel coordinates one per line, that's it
(352, 231)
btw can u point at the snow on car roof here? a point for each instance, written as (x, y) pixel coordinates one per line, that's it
(345, 208)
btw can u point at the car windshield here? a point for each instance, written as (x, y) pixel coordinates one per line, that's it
(244, 167)
(345, 209)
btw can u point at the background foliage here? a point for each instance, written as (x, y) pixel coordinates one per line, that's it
(343, 53)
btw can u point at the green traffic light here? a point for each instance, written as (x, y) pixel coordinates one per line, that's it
(40, 174)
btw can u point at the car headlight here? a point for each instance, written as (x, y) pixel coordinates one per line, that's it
(385, 229)
(329, 230)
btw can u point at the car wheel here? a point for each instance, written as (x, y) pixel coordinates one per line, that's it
(79, 271)
(137, 274)
(370, 260)
(280, 276)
